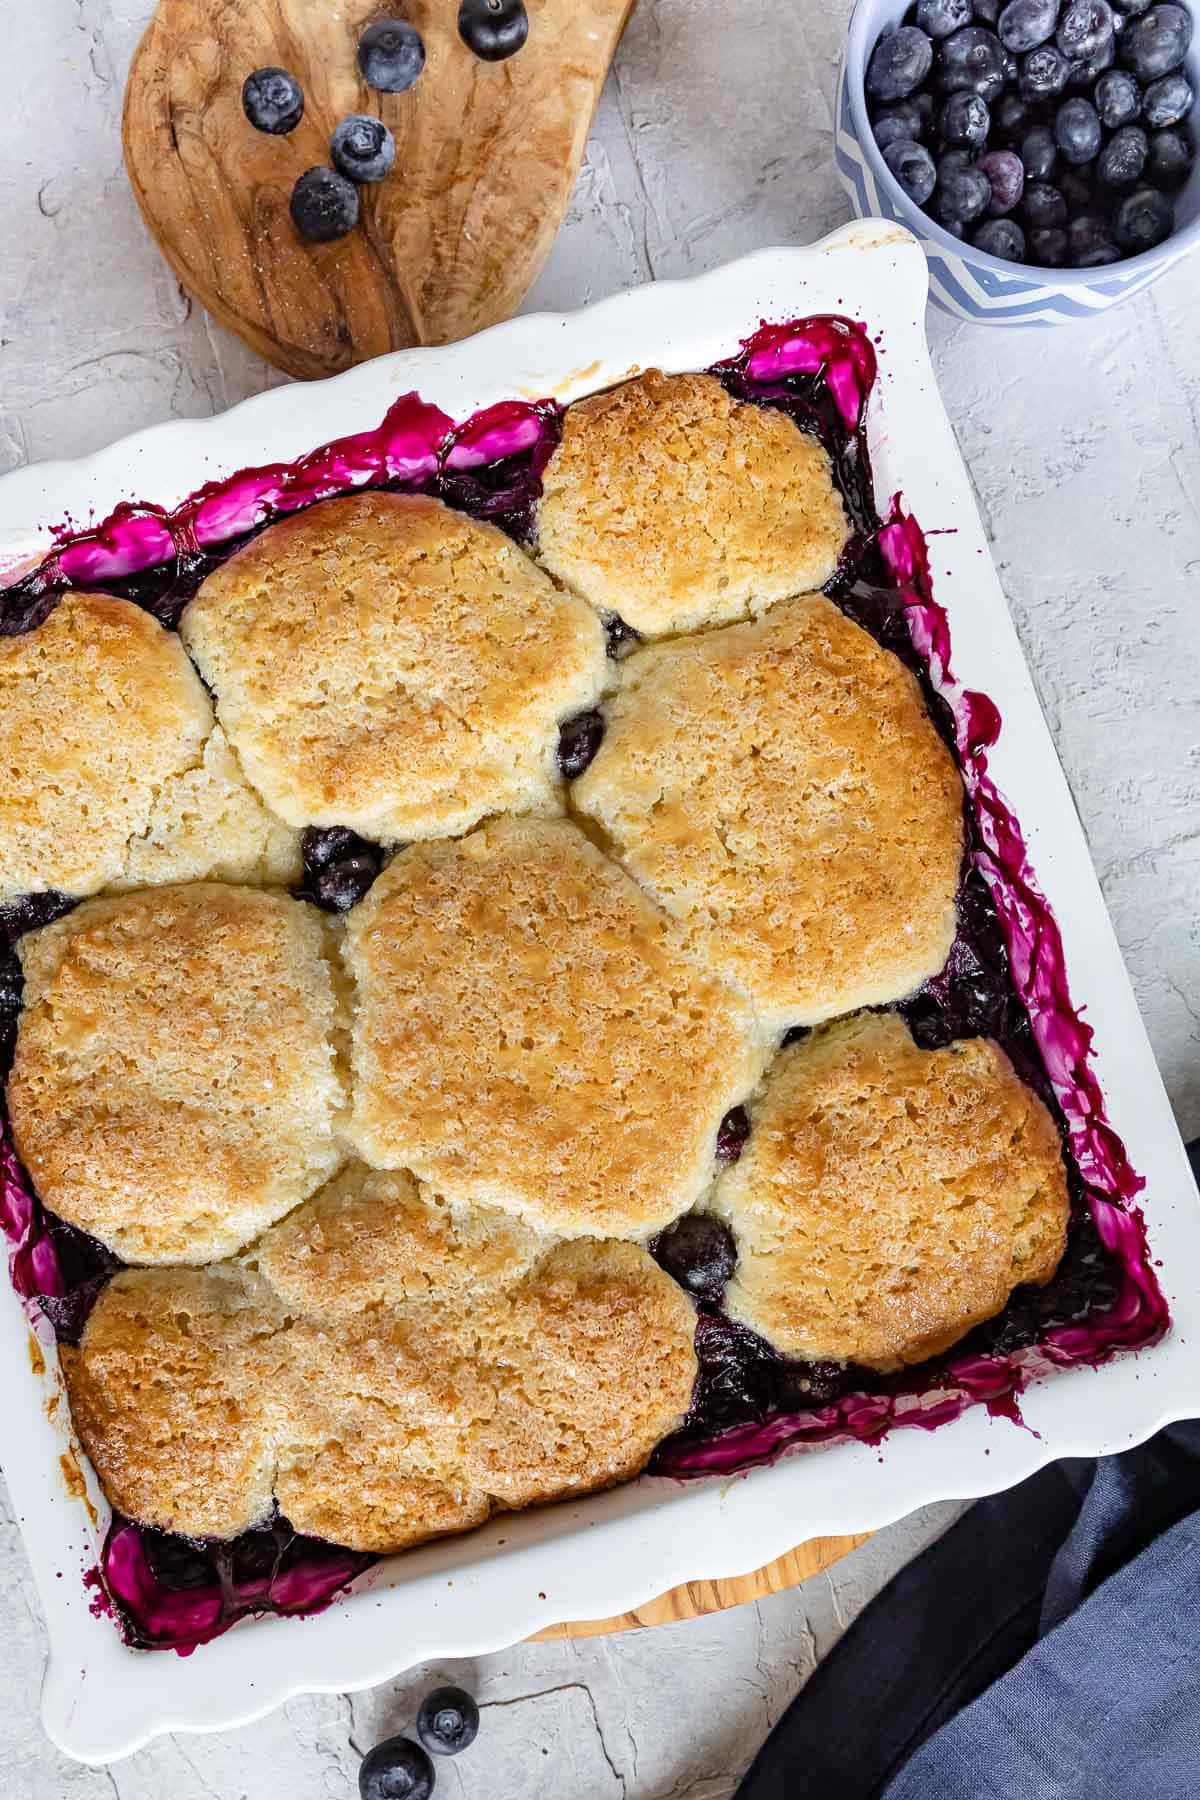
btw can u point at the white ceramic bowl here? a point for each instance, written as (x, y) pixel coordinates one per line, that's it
(589, 1559)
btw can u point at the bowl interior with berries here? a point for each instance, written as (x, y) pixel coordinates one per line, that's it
(1043, 151)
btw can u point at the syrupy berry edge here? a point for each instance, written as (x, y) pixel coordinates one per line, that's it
(1006, 975)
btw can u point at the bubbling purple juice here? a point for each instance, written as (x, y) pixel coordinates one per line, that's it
(1005, 977)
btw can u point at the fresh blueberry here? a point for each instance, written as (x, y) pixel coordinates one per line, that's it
(1001, 237)
(1126, 9)
(972, 58)
(397, 1769)
(732, 1133)
(273, 101)
(1006, 177)
(1157, 42)
(1143, 220)
(1083, 27)
(962, 192)
(699, 1253)
(1043, 207)
(448, 1721)
(1168, 100)
(324, 205)
(391, 55)
(1024, 24)
(1089, 242)
(1048, 247)
(965, 120)
(363, 148)
(493, 29)
(1077, 130)
(913, 168)
(896, 122)
(1039, 153)
(987, 11)
(926, 107)
(1117, 98)
(1012, 68)
(578, 741)
(1085, 74)
(1120, 163)
(938, 18)
(899, 63)
(1171, 157)
(1078, 188)
(1011, 118)
(1043, 74)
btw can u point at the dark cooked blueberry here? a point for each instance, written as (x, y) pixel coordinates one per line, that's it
(322, 844)
(578, 741)
(493, 29)
(913, 168)
(273, 101)
(1001, 237)
(972, 58)
(1083, 27)
(1043, 206)
(962, 192)
(1089, 242)
(619, 637)
(1171, 157)
(699, 1253)
(1168, 100)
(1143, 220)
(1077, 130)
(324, 205)
(938, 18)
(1024, 24)
(738, 1372)
(1039, 153)
(1006, 177)
(965, 120)
(397, 1769)
(1117, 98)
(391, 55)
(1157, 42)
(799, 1386)
(1048, 247)
(363, 148)
(448, 1721)
(795, 1034)
(732, 1133)
(1123, 158)
(177, 1562)
(1078, 189)
(1043, 74)
(1010, 118)
(343, 884)
(899, 63)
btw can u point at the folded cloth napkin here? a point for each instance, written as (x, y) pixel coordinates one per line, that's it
(1046, 1648)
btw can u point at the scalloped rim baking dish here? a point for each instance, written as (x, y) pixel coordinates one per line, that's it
(466, 1596)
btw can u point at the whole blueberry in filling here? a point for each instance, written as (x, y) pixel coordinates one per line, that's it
(339, 866)
(732, 1134)
(578, 741)
(699, 1253)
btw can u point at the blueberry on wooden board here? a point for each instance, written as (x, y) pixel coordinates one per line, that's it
(324, 205)
(273, 101)
(493, 29)
(391, 55)
(362, 148)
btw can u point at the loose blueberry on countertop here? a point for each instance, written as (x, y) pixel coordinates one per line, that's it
(1043, 207)
(1001, 237)
(1089, 242)
(962, 192)
(1118, 99)
(899, 63)
(578, 741)
(1157, 42)
(1168, 100)
(391, 55)
(938, 18)
(1123, 158)
(972, 58)
(1043, 74)
(965, 120)
(362, 148)
(397, 1769)
(1171, 157)
(1006, 177)
(1083, 27)
(1048, 247)
(273, 101)
(1143, 220)
(699, 1253)
(913, 168)
(324, 205)
(732, 1133)
(1077, 130)
(493, 29)
(1024, 24)
(448, 1721)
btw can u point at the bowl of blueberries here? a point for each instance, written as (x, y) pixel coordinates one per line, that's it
(1043, 151)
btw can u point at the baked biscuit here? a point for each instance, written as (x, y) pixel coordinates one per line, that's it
(779, 788)
(890, 1198)
(674, 505)
(385, 663)
(99, 707)
(173, 1089)
(530, 1036)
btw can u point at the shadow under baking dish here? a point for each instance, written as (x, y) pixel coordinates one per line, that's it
(1005, 977)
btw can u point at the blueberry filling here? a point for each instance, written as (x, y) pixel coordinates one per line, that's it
(698, 1251)
(732, 1134)
(620, 638)
(578, 741)
(339, 867)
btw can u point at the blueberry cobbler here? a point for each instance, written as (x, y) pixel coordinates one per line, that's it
(517, 974)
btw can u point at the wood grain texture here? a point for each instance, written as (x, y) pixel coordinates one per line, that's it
(487, 155)
(695, 1598)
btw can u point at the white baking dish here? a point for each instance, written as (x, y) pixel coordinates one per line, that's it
(474, 1594)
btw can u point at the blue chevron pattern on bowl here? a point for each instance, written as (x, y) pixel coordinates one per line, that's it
(963, 281)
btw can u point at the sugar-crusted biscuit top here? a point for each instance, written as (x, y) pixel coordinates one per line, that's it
(99, 708)
(674, 505)
(174, 1088)
(386, 663)
(890, 1198)
(530, 1035)
(780, 790)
